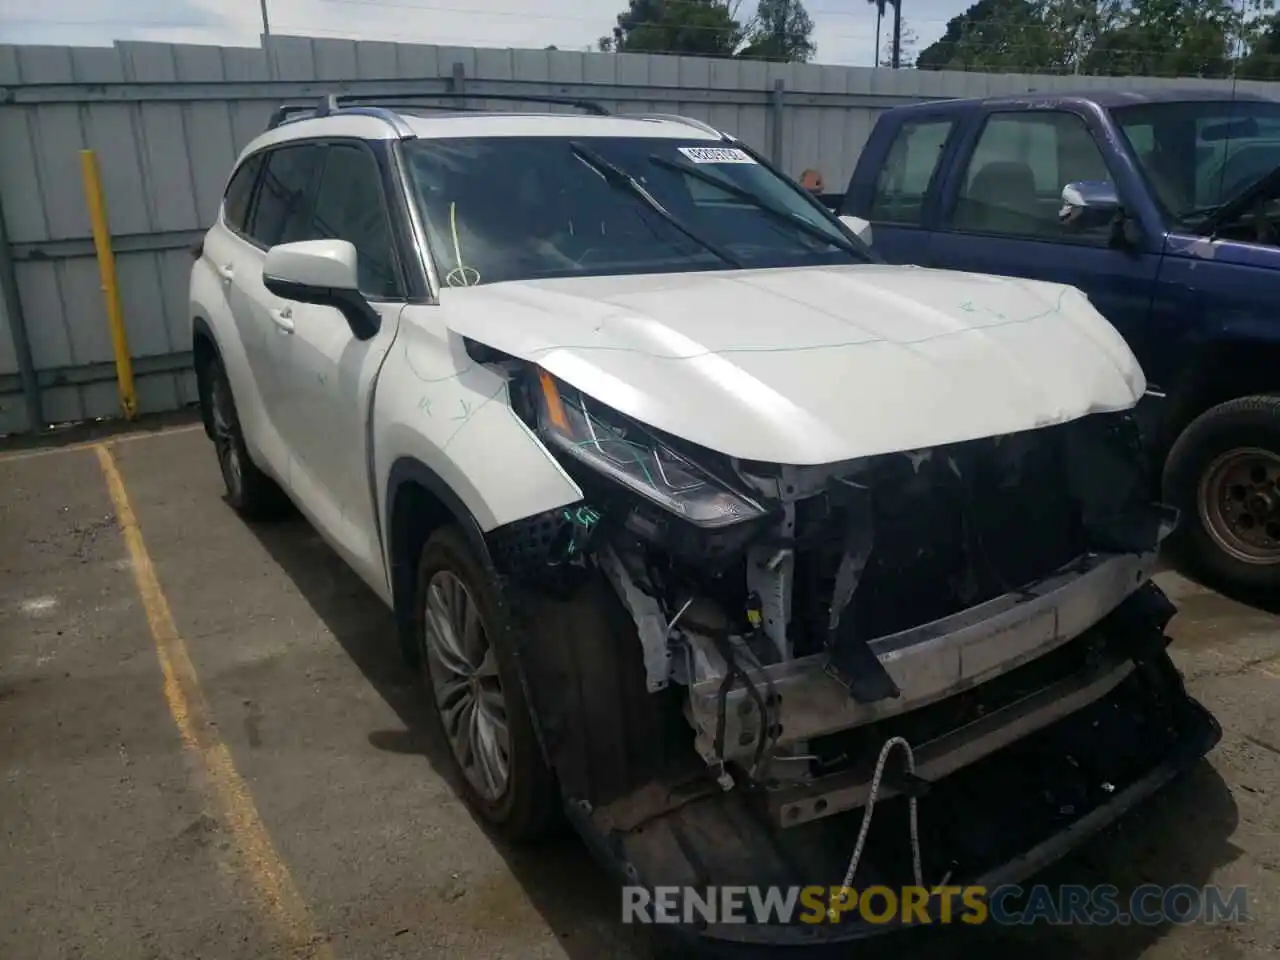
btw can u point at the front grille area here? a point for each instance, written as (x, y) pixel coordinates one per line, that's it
(962, 525)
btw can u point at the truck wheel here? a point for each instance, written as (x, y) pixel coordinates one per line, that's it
(479, 701)
(1223, 473)
(250, 491)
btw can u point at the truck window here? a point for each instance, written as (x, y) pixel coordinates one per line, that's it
(1014, 179)
(904, 178)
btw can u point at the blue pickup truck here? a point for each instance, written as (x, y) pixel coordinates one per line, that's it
(1164, 208)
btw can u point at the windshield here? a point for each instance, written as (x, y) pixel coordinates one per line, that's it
(1199, 155)
(520, 208)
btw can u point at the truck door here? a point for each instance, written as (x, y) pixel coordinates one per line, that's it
(1220, 282)
(891, 187)
(998, 213)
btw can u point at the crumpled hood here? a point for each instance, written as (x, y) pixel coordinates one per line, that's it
(817, 364)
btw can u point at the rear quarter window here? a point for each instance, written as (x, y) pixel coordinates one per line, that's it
(235, 203)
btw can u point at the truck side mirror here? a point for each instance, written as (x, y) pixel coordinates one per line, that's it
(1088, 203)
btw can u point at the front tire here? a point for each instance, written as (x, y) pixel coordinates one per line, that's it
(479, 701)
(1223, 473)
(250, 492)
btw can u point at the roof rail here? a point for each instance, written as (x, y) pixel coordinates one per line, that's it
(290, 111)
(676, 118)
(383, 105)
(413, 100)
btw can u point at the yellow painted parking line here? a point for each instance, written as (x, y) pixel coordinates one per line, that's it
(277, 893)
(94, 444)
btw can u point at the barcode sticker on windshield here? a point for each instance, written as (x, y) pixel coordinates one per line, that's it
(716, 154)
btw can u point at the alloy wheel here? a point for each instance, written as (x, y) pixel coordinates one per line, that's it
(224, 436)
(468, 692)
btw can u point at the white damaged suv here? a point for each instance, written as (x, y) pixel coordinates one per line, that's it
(702, 525)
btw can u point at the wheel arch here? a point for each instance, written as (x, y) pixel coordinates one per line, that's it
(1214, 373)
(204, 347)
(418, 502)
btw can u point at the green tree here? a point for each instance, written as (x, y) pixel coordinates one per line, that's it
(907, 45)
(1168, 38)
(1260, 44)
(992, 35)
(705, 28)
(1188, 38)
(780, 30)
(1072, 28)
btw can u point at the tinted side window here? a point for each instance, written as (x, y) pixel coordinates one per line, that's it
(349, 207)
(904, 179)
(1014, 179)
(282, 213)
(235, 204)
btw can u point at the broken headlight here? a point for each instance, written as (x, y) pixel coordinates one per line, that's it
(605, 440)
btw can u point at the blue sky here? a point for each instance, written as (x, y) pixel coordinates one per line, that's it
(844, 29)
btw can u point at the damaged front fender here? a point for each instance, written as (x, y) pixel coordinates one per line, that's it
(716, 651)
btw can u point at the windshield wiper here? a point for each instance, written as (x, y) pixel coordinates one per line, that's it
(1232, 208)
(1236, 204)
(757, 201)
(618, 178)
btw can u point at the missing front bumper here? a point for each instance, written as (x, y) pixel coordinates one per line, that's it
(997, 821)
(938, 758)
(928, 663)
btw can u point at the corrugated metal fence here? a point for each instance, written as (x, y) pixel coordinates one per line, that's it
(167, 120)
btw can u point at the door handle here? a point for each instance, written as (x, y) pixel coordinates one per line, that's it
(282, 318)
(227, 273)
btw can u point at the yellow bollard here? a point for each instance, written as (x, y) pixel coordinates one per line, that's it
(110, 289)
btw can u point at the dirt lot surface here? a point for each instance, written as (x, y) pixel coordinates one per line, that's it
(209, 748)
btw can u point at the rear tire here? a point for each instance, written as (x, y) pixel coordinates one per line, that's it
(251, 492)
(1223, 473)
(467, 664)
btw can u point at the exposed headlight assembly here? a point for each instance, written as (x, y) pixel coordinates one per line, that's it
(607, 441)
